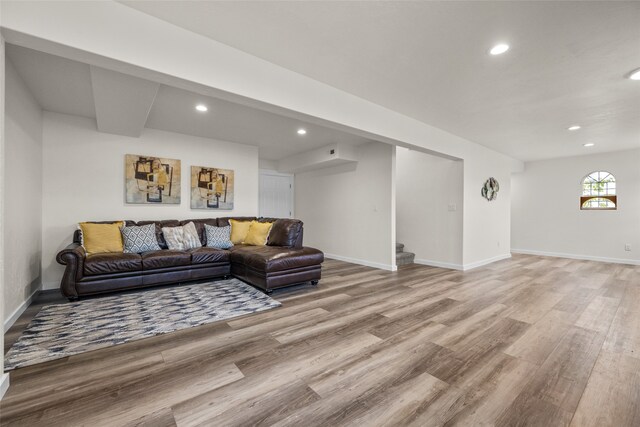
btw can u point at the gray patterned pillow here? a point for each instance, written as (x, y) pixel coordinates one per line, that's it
(182, 238)
(139, 239)
(218, 237)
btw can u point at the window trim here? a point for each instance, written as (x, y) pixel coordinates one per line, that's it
(612, 198)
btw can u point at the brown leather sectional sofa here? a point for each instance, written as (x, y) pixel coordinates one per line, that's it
(282, 262)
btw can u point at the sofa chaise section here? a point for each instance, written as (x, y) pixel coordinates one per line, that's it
(273, 267)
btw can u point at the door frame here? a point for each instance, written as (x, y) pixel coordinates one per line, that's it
(272, 172)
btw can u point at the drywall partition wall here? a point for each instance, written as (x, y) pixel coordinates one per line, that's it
(547, 219)
(347, 209)
(486, 224)
(4, 378)
(321, 158)
(84, 179)
(23, 196)
(113, 36)
(429, 207)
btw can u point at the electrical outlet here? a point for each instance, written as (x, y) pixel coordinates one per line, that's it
(627, 247)
(452, 207)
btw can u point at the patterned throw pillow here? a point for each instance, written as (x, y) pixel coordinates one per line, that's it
(182, 238)
(139, 239)
(218, 237)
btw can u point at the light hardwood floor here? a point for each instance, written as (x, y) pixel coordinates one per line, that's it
(527, 341)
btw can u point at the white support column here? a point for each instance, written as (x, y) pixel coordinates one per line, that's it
(4, 378)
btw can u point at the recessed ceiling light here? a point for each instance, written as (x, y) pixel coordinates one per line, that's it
(588, 144)
(499, 49)
(574, 127)
(635, 74)
(301, 131)
(201, 107)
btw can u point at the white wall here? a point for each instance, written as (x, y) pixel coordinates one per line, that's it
(84, 179)
(426, 186)
(348, 210)
(486, 225)
(23, 196)
(267, 164)
(547, 218)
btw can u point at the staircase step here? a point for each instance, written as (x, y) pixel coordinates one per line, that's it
(403, 258)
(399, 247)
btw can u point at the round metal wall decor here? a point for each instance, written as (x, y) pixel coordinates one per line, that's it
(490, 189)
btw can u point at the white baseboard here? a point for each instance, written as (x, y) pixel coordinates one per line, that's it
(4, 384)
(480, 263)
(440, 264)
(18, 311)
(575, 256)
(379, 265)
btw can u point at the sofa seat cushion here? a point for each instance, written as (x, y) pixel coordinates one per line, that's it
(109, 263)
(164, 259)
(239, 247)
(208, 255)
(270, 258)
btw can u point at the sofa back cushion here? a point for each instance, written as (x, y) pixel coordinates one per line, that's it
(224, 221)
(285, 232)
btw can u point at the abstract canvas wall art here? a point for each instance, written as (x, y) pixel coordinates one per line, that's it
(211, 188)
(152, 180)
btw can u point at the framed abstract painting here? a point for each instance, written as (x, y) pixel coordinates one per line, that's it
(211, 188)
(151, 180)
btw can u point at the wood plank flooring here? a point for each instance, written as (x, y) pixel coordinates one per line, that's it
(530, 341)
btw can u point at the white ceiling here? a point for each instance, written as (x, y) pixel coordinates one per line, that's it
(429, 60)
(125, 105)
(57, 84)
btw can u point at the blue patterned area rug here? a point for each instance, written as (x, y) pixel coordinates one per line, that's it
(63, 330)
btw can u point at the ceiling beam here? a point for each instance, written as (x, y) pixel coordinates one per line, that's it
(122, 101)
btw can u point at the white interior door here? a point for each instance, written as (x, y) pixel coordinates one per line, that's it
(276, 195)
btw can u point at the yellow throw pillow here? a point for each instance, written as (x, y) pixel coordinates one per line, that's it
(239, 230)
(258, 233)
(101, 238)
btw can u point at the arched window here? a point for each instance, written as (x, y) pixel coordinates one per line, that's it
(599, 191)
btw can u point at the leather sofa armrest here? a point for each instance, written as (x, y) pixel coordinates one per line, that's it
(298, 243)
(74, 250)
(73, 258)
